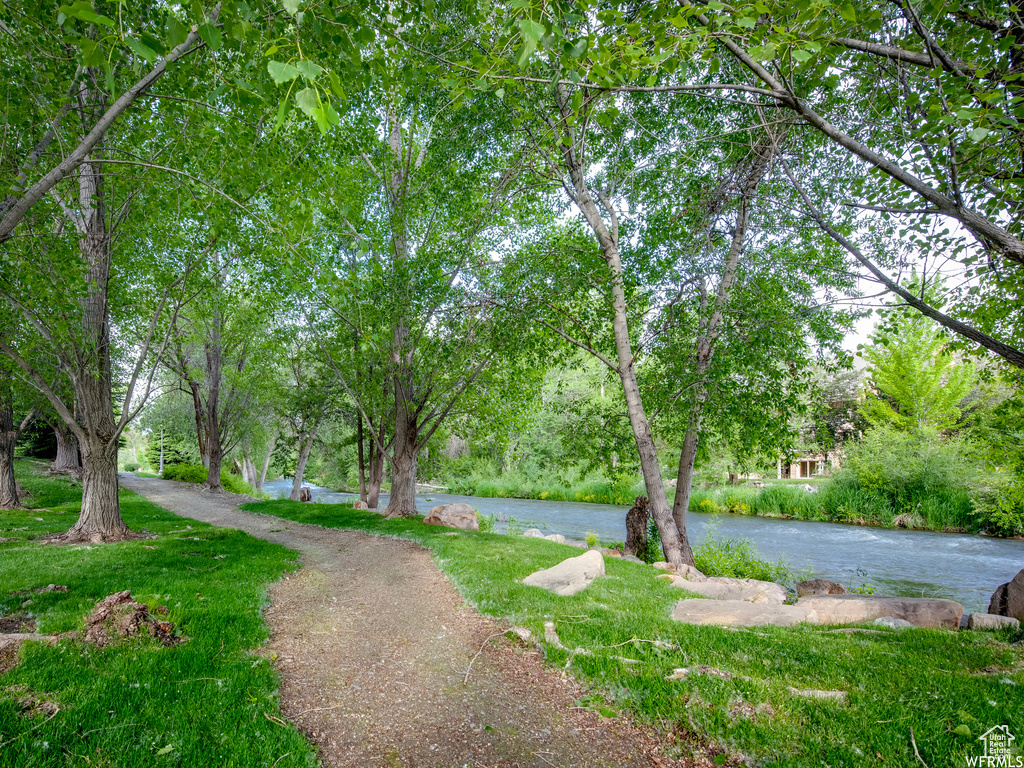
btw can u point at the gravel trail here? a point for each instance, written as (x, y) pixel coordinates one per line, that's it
(373, 645)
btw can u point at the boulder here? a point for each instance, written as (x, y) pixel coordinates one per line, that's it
(747, 590)
(556, 537)
(819, 587)
(569, 576)
(740, 613)
(533, 533)
(856, 609)
(1008, 599)
(892, 623)
(632, 559)
(360, 505)
(991, 621)
(453, 516)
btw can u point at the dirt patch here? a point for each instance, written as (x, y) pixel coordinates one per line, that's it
(383, 664)
(9, 657)
(16, 623)
(117, 617)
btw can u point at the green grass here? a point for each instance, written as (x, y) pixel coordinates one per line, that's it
(208, 699)
(931, 680)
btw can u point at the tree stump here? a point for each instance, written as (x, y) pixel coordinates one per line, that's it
(636, 528)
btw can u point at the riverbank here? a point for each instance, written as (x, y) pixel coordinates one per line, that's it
(617, 637)
(901, 562)
(830, 500)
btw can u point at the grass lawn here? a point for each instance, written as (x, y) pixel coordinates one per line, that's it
(206, 702)
(949, 687)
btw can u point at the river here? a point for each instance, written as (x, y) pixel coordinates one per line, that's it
(965, 568)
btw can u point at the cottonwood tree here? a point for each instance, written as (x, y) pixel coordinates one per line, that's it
(64, 274)
(916, 104)
(415, 262)
(16, 415)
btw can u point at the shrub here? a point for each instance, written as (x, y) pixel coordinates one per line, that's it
(738, 559)
(999, 506)
(186, 473)
(196, 473)
(131, 467)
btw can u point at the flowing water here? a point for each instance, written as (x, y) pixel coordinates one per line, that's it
(962, 567)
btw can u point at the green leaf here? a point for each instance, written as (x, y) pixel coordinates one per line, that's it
(83, 11)
(308, 102)
(532, 30)
(802, 55)
(336, 85)
(140, 49)
(281, 72)
(165, 750)
(321, 121)
(176, 32)
(292, 6)
(848, 12)
(978, 134)
(93, 54)
(332, 114)
(962, 730)
(745, 21)
(529, 46)
(211, 35)
(309, 70)
(282, 113)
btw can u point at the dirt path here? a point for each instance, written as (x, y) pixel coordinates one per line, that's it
(373, 643)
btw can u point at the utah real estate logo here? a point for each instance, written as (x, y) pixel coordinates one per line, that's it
(998, 750)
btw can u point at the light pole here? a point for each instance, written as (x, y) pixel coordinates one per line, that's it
(161, 451)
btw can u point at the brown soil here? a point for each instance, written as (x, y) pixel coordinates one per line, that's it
(117, 617)
(16, 623)
(383, 664)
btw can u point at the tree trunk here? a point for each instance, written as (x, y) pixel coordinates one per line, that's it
(403, 464)
(376, 478)
(305, 446)
(684, 479)
(266, 464)
(100, 520)
(213, 374)
(97, 430)
(360, 458)
(8, 437)
(68, 460)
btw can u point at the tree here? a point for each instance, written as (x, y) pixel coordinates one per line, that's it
(915, 105)
(11, 429)
(915, 381)
(63, 275)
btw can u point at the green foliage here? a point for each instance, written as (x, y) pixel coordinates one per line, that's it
(621, 614)
(592, 539)
(738, 559)
(916, 382)
(113, 707)
(999, 505)
(196, 473)
(131, 466)
(186, 473)
(919, 472)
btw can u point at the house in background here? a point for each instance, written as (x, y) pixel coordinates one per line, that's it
(808, 465)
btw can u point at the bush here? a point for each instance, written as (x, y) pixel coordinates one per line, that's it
(131, 467)
(737, 559)
(197, 473)
(186, 473)
(999, 506)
